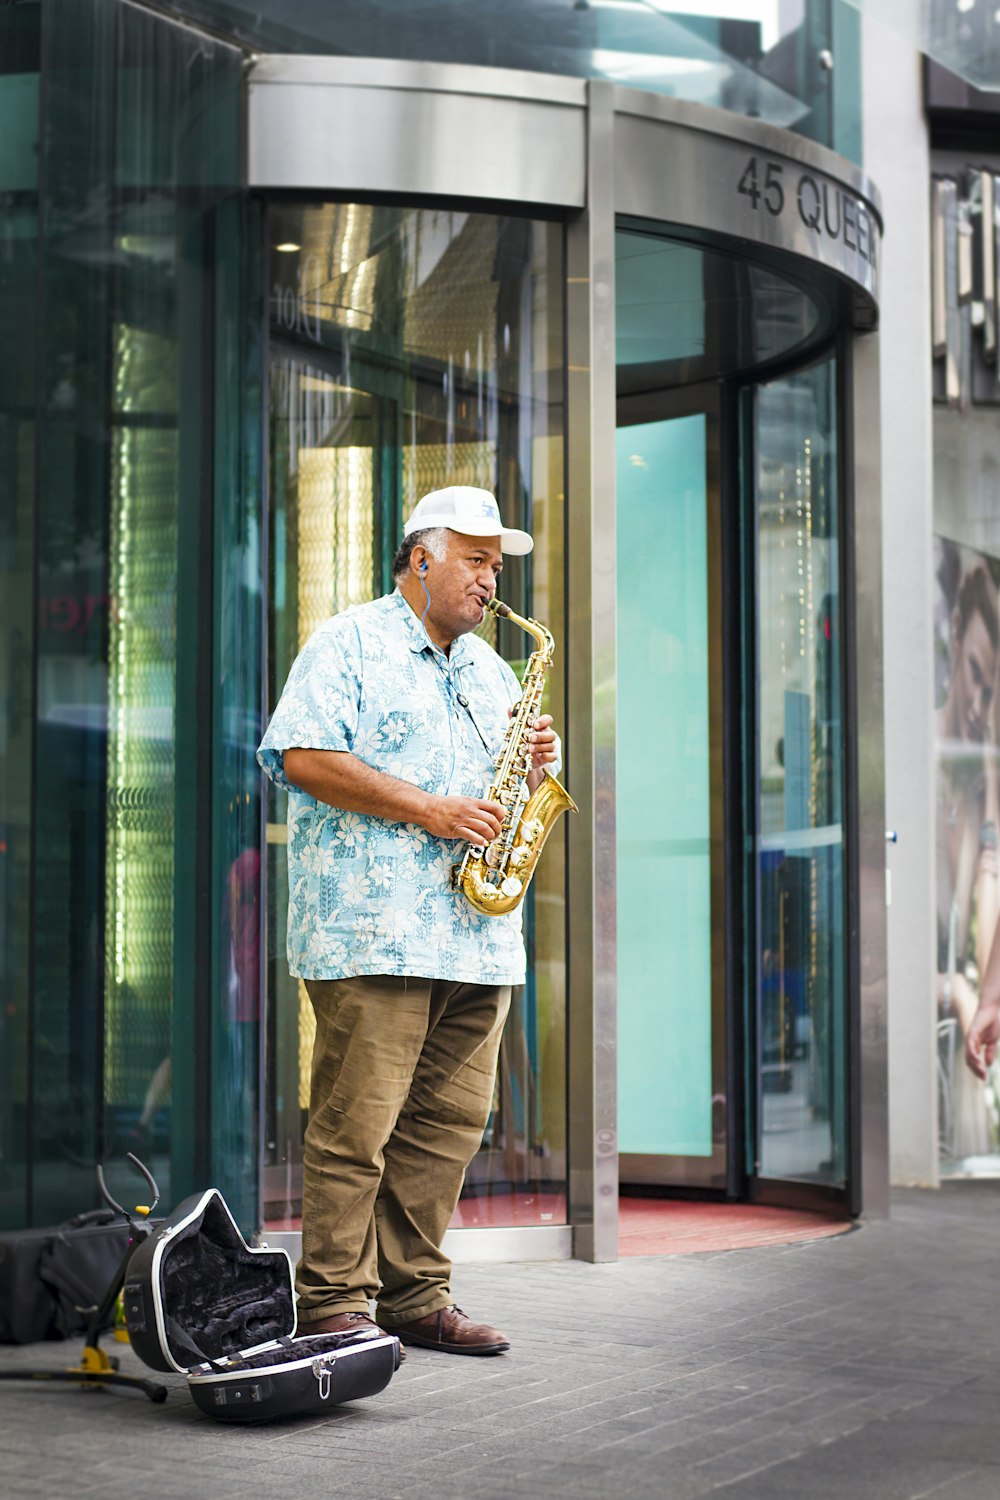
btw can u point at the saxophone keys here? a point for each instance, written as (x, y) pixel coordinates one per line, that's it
(530, 830)
(511, 886)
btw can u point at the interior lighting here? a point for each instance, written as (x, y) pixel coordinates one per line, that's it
(288, 247)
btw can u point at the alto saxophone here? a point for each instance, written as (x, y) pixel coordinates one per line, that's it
(495, 876)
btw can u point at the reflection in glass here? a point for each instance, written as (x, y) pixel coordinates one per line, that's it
(799, 845)
(122, 914)
(967, 640)
(685, 314)
(19, 62)
(412, 349)
(139, 775)
(761, 58)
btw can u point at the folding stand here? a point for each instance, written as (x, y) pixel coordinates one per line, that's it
(98, 1368)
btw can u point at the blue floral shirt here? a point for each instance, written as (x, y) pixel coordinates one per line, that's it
(367, 896)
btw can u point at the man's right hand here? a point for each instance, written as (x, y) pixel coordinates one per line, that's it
(468, 818)
(339, 779)
(982, 1038)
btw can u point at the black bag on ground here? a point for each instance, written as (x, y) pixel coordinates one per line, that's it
(27, 1308)
(201, 1301)
(79, 1265)
(51, 1279)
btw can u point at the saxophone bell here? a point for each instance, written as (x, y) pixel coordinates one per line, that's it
(495, 877)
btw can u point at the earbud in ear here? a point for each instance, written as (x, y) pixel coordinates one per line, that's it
(423, 569)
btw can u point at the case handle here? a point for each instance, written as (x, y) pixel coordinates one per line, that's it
(143, 1210)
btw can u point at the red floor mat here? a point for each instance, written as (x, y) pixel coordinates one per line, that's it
(651, 1226)
(662, 1226)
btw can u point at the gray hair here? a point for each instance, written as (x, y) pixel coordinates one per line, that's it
(435, 539)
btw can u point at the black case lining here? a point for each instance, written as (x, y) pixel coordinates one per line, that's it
(224, 1296)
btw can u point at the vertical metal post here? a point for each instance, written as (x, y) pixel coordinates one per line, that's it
(591, 616)
(868, 917)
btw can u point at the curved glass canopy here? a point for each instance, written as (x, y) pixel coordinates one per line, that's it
(769, 59)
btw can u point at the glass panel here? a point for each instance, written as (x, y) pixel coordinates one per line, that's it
(770, 59)
(967, 651)
(19, 61)
(72, 686)
(665, 957)
(799, 844)
(684, 314)
(323, 559)
(236, 1050)
(412, 349)
(123, 904)
(962, 35)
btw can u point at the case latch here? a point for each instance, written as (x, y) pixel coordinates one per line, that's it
(323, 1370)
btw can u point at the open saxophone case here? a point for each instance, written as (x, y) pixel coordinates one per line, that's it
(199, 1300)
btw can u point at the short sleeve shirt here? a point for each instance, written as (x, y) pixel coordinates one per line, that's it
(368, 896)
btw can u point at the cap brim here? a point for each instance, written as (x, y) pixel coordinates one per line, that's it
(517, 543)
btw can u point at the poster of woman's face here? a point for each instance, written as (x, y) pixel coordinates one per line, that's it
(967, 642)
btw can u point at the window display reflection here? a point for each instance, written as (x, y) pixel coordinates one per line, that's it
(967, 639)
(800, 834)
(412, 349)
(966, 670)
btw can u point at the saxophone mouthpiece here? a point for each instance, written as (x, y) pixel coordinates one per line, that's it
(497, 607)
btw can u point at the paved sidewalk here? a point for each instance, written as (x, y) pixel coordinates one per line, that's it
(866, 1366)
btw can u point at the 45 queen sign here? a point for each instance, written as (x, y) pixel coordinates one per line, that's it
(821, 206)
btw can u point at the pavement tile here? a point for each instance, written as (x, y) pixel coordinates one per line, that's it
(855, 1367)
(976, 1484)
(854, 1476)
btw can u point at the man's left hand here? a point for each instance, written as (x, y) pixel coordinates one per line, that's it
(544, 743)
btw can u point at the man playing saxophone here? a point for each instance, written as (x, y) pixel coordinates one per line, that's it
(386, 736)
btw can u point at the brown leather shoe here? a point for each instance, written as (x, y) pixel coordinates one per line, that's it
(453, 1333)
(356, 1323)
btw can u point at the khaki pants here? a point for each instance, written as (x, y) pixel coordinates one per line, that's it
(402, 1086)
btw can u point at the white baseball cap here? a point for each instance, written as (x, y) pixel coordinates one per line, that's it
(469, 511)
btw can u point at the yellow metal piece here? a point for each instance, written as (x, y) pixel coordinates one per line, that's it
(121, 1329)
(93, 1362)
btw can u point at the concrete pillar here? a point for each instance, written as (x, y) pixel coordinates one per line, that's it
(896, 154)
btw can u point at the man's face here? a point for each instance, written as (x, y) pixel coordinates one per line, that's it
(462, 582)
(975, 674)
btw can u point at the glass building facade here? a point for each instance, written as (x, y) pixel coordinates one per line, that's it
(224, 385)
